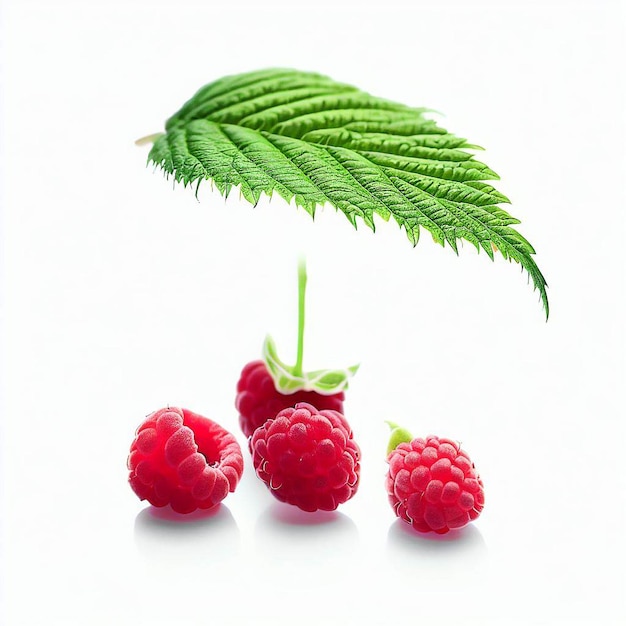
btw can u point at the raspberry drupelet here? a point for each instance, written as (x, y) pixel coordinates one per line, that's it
(183, 459)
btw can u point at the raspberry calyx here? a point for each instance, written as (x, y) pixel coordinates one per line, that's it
(291, 378)
(258, 399)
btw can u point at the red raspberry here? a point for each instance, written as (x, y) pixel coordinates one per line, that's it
(183, 459)
(307, 457)
(432, 484)
(258, 400)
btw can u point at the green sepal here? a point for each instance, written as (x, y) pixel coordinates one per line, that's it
(398, 435)
(324, 382)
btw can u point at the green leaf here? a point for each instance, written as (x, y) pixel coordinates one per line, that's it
(315, 141)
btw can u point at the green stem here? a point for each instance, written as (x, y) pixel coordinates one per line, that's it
(148, 139)
(297, 369)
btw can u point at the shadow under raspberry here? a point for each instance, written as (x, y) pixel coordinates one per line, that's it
(300, 545)
(467, 540)
(164, 535)
(457, 561)
(282, 526)
(166, 515)
(287, 514)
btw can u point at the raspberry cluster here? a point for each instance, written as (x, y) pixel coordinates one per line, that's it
(302, 448)
(183, 459)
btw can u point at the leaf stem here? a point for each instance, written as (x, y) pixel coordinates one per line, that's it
(297, 369)
(142, 141)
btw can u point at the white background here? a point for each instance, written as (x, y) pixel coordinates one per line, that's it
(121, 295)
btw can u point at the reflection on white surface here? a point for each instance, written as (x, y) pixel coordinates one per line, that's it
(281, 523)
(310, 555)
(183, 556)
(200, 537)
(463, 540)
(292, 538)
(431, 557)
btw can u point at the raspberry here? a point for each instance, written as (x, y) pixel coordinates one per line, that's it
(432, 484)
(307, 457)
(184, 460)
(258, 399)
